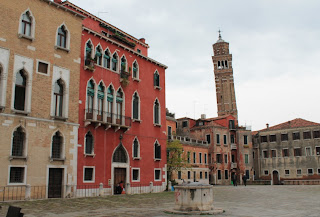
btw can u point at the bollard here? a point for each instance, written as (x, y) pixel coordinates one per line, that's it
(28, 192)
(101, 189)
(68, 191)
(128, 188)
(169, 186)
(151, 187)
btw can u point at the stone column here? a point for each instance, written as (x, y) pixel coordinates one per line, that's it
(28, 192)
(128, 188)
(101, 189)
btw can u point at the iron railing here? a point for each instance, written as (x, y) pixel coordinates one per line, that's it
(94, 115)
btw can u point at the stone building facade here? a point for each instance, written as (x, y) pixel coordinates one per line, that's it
(39, 94)
(288, 152)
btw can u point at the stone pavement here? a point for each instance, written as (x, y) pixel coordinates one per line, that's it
(268, 201)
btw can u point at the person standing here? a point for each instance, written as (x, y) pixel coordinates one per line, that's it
(234, 178)
(244, 179)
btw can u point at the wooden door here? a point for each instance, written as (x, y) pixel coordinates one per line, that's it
(119, 176)
(275, 179)
(55, 183)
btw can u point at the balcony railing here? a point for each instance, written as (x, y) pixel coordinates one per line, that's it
(233, 165)
(106, 118)
(124, 74)
(188, 140)
(233, 146)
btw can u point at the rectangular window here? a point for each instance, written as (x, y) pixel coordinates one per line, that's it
(206, 175)
(266, 172)
(318, 171)
(272, 138)
(200, 175)
(308, 151)
(253, 154)
(205, 158)
(287, 172)
(218, 139)
(219, 174)
(316, 134)
(226, 174)
(317, 150)
(138, 50)
(273, 153)
(285, 152)
(248, 174)
(88, 174)
(231, 124)
(232, 139)
(169, 133)
(200, 158)
(299, 172)
(43, 67)
(246, 158)
(296, 135)
(245, 140)
(208, 138)
(265, 154)
(226, 158)
(297, 152)
(189, 175)
(307, 135)
(16, 175)
(224, 139)
(284, 137)
(135, 174)
(188, 155)
(194, 158)
(310, 171)
(219, 158)
(157, 175)
(184, 123)
(179, 174)
(263, 139)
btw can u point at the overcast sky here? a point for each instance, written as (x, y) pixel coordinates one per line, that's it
(274, 43)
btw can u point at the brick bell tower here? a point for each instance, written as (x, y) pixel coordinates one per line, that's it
(223, 72)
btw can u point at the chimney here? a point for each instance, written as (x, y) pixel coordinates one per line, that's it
(203, 116)
(267, 126)
(58, 1)
(142, 40)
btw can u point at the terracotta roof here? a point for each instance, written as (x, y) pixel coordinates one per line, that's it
(217, 118)
(298, 122)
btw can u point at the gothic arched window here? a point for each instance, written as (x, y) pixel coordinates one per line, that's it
(90, 99)
(62, 37)
(120, 155)
(58, 98)
(18, 142)
(156, 113)
(115, 62)
(135, 107)
(100, 101)
(106, 59)
(89, 147)
(57, 141)
(20, 91)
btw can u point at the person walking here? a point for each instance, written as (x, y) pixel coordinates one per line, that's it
(244, 179)
(234, 178)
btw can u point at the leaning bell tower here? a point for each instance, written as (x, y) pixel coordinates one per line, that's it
(223, 72)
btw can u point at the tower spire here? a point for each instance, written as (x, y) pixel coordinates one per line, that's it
(220, 38)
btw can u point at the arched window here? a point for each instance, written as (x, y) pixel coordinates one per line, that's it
(90, 99)
(157, 151)
(58, 98)
(100, 102)
(1, 88)
(156, 79)
(56, 151)
(114, 62)
(156, 114)
(119, 101)
(136, 152)
(123, 64)
(62, 37)
(109, 104)
(26, 24)
(135, 107)
(98, 56)
(18, 143)
(89, 143)
(106, 59)
(88, 57)
(20, 91)
(135, 70)
(120, 155)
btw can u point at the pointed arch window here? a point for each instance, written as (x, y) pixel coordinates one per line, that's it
(135, 107)
(123, 64)
(156, 79)
(18, 143)
(89, 146)
(109, 104)
(58, 98)
(62, 37)
(56, 148)
(136, 151)
(106, 59)
(88, 57)
(119, 101)
(2, 90)
(157, 151)
(20, 91)
(114, 62)
(100, 101)
(26, 24)
(135, 70)
(120, 155)
(156, 108)
(90, 99)
(98, 56)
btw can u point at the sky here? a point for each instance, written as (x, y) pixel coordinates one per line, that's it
(275, 45)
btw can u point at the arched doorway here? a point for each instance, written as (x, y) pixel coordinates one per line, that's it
(120, 167)
(275, 177)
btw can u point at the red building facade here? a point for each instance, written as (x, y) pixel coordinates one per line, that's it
(121, 110)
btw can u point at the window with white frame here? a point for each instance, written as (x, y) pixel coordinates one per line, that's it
(200, 174)
(109, 104)
(157, 151)
(18, 143)
(299, 172)
(308, 151)
(119, 107)
(224, 139)
(114, 62)
(17, 175)
(100, 100)
(266, 172)
(123, 64)
(226, 158)
(62, 37)
(200, 158)
(98, 55)
(179, 175)
(194, 157)
(107, 59)
(58, 98)
(57, 146)
(135, 106)
(135, 174)
(218, 139)
(157, 174)
(205, 158)
(136, 149)
(219, 174)
(88, 54)
(287, 172)
(2, 87)
(156, 79)
(208, 138)
(88, 174)
(189, 175)
(156, 112)
(89, 144)
(226, 174)
(206, 175)
(20, 91)
(310, 171)
(90, 100)
(245, 139)
(43, 67)
(27, 25)
(135, 70)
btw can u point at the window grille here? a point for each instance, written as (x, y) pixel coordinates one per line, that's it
(56, 145)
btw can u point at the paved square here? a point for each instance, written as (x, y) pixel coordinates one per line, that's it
(236, 201)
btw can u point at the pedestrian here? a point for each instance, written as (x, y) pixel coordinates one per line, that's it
(118, 189)
(244, 179)
(234, 178)
(122, 187)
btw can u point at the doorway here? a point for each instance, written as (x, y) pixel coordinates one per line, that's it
(119, 176)
(55, 183)
(275, 177)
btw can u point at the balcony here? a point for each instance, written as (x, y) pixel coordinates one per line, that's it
(233, 147)
(89, 64)
(106, 119)
(233, 165)
(124, 77)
